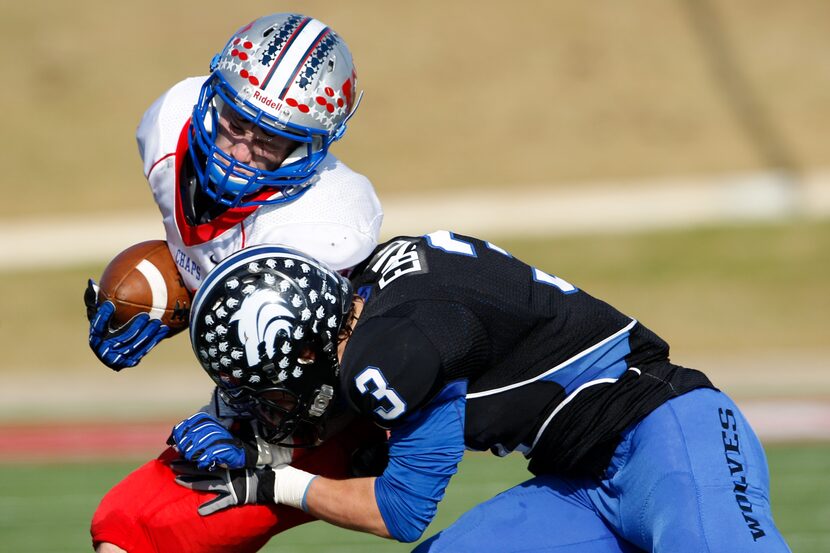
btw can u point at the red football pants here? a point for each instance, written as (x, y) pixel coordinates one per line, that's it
(148, 512)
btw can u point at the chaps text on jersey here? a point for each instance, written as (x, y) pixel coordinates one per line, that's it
(184, 261)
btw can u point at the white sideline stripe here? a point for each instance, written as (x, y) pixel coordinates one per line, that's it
(536, 210)
(158, 288)
(579, 355)
(40, 395)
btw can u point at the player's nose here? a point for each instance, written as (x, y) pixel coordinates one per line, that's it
(241, 151)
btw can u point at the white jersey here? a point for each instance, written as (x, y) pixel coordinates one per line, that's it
(336, 221)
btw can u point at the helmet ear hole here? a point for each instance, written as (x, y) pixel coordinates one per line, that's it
(307, 356)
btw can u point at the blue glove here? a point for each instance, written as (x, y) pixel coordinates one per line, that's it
(201, 439)
(125, 346)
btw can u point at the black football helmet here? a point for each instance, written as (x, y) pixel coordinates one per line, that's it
(264, 326)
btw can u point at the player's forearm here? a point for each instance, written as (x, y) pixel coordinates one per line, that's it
(347, 503)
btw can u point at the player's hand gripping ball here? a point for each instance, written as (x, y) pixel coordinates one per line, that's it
(141, 300)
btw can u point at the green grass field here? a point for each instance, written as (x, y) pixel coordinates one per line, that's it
(47, 508)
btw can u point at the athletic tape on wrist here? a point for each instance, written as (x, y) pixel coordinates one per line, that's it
(291, 485)
(264, 456)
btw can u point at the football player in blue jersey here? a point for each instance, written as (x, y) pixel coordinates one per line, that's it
(451, 343)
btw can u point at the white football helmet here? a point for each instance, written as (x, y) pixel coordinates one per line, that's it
(290, 75)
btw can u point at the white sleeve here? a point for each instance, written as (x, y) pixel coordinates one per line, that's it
(339, 246)
(160, 126)
(337, 221)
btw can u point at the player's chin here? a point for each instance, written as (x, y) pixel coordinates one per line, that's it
(232, 185)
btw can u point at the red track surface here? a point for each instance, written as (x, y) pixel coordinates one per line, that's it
(774, 421)
(81, 441)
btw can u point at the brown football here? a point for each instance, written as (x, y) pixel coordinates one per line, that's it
(144, 279)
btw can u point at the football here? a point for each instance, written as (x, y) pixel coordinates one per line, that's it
(144, 279)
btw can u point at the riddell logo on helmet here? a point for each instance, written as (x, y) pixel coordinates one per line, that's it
(266, 101)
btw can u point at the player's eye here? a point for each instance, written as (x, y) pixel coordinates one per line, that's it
(235, 128)
(261, 140)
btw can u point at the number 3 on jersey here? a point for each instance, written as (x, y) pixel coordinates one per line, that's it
(372, 381)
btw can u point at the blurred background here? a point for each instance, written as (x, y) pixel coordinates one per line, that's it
(670, 157)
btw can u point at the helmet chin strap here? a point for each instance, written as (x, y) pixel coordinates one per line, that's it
(321, 400)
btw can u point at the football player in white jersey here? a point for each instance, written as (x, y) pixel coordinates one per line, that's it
(241, 157)
(238, 158)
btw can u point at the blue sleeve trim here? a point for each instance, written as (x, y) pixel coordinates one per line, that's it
(424, 452)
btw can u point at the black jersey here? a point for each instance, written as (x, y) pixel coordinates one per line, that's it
(551, 371)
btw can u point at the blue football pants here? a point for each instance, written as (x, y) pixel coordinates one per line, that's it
(691, 477)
